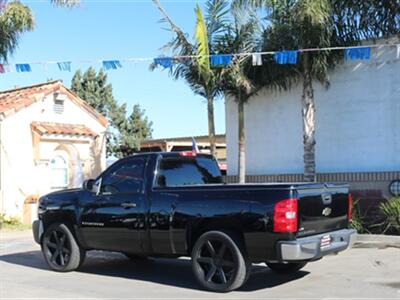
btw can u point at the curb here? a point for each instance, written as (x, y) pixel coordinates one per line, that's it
(377, 241)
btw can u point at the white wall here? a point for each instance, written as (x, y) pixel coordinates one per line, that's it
(358, 122)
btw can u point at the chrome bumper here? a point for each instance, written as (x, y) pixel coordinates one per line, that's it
(309, 248)
(37, 229)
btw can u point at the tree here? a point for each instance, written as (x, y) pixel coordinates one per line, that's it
(94, 89)
(241, 36)
(135, 129)
(302, 24)
(66, 3)
(202, 79)
(124, 134)
(15, 19)
(218, 33)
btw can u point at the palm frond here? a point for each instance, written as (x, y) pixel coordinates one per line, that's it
(216, 18)
(202, 50)
(179, 42)
(15, 19)
(66, 3)
(356, 20)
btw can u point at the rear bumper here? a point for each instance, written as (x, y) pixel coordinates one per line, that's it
(37, 229)
(309, 248)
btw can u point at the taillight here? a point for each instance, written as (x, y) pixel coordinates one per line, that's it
(285, 215)
(187, 153)
(350, 209)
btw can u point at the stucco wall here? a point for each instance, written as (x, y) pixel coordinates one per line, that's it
(358, 121)
(21, 176)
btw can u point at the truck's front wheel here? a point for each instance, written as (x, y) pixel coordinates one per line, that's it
(60, 249)
(219, 262)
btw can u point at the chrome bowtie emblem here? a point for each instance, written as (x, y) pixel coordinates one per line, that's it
(327, 211)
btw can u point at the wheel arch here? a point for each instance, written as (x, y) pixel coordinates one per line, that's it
(194, 231)
(62, 217)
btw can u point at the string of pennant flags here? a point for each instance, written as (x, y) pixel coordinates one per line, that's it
(216, 60)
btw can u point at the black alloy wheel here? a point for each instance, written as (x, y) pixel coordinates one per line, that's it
(60, 248)
(219, 263)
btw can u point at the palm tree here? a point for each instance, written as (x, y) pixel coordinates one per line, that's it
(242, 36)
(15, 19)
(66, 3)
(302, 24)
(202, 79)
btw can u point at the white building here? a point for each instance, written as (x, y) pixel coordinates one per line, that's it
(49, 139)
(357, 125)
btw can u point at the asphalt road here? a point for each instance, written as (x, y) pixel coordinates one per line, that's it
(356, 273)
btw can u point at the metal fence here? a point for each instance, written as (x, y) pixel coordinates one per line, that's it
(321, 177)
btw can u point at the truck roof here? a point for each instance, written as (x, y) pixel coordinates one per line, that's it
(168, 154)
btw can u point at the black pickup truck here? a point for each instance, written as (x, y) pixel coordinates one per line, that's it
(175, 204)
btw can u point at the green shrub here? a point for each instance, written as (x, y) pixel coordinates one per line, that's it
(391, 211)
(9, 220)
(358, 220)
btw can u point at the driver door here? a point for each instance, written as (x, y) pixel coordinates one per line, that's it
(113, 215)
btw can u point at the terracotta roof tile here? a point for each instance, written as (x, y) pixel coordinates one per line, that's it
(12, 101)
(60, 128)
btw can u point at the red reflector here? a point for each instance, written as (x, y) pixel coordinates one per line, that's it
(350, 210)
(187, 153)
(285, 215)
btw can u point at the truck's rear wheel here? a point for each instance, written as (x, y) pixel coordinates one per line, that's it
(219, 262)
(60, 249)
(286, 268)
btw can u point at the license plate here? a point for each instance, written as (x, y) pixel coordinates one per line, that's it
(325, 241)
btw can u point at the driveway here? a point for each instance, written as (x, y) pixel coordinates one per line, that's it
(356, 273)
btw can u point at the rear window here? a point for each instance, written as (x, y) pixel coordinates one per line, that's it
(178, 171)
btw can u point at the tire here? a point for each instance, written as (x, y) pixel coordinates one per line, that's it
(60, 249)
(219, 262)
(286, 268)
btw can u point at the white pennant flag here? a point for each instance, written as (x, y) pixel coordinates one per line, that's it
(257, 59)
(398, 50)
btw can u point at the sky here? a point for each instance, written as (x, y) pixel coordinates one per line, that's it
(107, 30)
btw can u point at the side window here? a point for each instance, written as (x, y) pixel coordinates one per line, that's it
(126, 177)
(187, 171)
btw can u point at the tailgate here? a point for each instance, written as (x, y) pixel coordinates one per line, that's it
(322, 209)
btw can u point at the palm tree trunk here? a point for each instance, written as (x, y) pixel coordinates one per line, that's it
(308, 114)
(242, 165)
(211, 125)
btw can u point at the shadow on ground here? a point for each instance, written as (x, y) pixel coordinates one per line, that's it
(173, 272)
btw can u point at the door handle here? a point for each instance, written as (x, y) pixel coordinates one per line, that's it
(128, 205)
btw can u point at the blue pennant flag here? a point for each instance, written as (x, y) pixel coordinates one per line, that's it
(358, 53)
(286, 57)
(64, 66)
(218, 60)
(165, 62)
(111, 64)
(23, 67)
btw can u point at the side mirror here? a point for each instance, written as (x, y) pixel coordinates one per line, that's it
(88, 184)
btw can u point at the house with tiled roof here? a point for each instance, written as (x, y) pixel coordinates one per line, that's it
(50, 139)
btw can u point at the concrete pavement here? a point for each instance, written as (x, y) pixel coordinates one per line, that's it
(356, 273)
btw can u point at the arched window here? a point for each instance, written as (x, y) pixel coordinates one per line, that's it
(59, 172)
